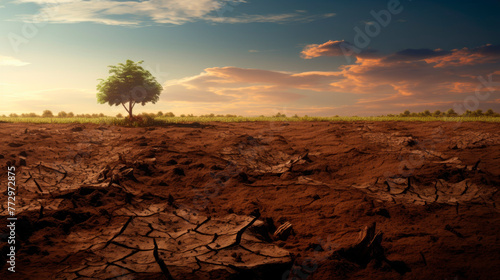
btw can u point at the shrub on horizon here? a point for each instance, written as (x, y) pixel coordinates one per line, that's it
(47, 114)
(451, 113)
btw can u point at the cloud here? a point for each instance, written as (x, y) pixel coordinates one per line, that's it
(379, 84)
(330, 48)
(175, 12)
(416, 54)
(246, 86)
(335, 48)
(276, 18)
(11, 61)
(421, 77)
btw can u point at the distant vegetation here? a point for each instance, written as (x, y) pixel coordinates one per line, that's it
(449, 113)
(146, 119)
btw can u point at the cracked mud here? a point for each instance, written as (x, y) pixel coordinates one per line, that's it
(256, 200)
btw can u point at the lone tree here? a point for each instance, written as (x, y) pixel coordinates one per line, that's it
(128, 85)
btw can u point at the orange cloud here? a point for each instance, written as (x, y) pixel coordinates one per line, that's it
(330, 48)
(390, 83)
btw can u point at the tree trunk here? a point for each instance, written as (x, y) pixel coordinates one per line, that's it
(130, 109)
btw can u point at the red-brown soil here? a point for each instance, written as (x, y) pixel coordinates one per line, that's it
(93, 200)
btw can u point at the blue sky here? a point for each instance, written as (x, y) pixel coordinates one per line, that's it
(215, 56)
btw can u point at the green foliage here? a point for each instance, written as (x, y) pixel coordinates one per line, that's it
(62, 114)
(151, 119)
(29, 115)
(47, 114)
(130, 84)
(139, 121)
(451, 113)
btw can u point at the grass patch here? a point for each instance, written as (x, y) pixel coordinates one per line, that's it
(158, 121)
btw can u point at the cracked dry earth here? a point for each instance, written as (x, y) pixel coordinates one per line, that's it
(361, 200)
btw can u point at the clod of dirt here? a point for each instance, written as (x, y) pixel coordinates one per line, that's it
(287, 176)
(15, 144)
(77, 128)
(368, 248)
(242, 177)
(379, 211)
(172, 162)
(283, 231)
(216, 167)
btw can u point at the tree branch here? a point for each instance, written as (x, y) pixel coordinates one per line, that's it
(123, 104)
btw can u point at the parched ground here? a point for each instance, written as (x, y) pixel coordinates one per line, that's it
(360, 200)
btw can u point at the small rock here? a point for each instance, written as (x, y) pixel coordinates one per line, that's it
(77, 129)
(22, 161)
(23, 154)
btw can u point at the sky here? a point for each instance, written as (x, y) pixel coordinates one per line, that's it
(254, 57)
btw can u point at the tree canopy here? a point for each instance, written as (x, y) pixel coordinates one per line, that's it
(129, 84)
